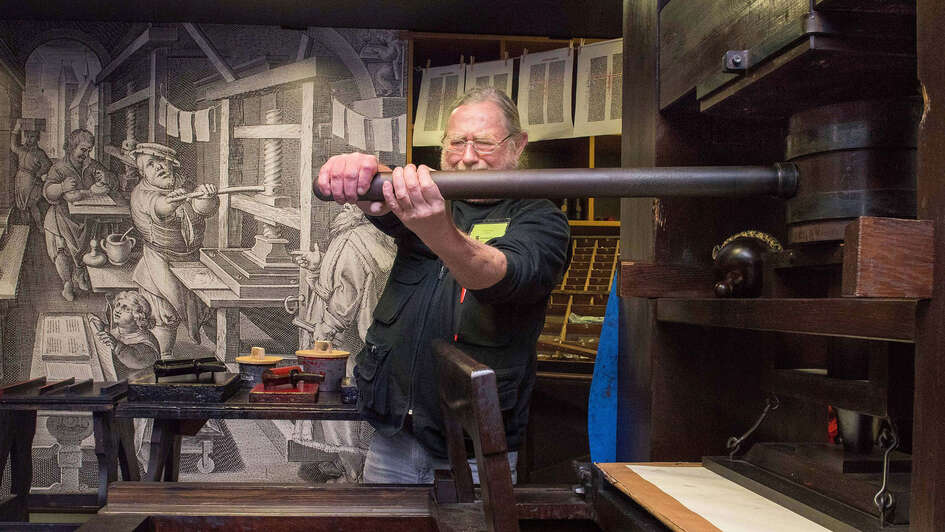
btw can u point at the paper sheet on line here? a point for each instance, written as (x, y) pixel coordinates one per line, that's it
(186, 126)
(337, 118)
(202, 125)
(438, 88)
(355, 123)
(598, 106)
(383, 134)
(162, 112)
(723, 503)
(172, 117)
(544, 94)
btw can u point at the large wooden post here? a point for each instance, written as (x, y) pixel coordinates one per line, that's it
(928, 463)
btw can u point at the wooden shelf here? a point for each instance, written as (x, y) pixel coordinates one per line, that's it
(874, 319)
(594, 223)
(858, 395)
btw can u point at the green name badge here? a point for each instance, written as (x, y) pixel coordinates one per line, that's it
(486, 231)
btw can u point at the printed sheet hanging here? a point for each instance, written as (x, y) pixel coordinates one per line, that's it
(438, 88)
(496, 74)
(544, 94)
(598, 103)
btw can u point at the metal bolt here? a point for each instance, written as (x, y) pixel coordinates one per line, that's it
(736, 60)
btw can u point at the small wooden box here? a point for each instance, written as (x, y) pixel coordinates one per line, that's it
(888, 257)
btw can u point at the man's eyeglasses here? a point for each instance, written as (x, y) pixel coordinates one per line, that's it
(482, 146)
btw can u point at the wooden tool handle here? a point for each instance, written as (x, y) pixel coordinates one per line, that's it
(279, 377)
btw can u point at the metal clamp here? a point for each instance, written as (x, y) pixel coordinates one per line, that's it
(298, 300)
(771, 403)
(813, 23)
(884, 500)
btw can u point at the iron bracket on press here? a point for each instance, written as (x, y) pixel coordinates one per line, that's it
(739, 61)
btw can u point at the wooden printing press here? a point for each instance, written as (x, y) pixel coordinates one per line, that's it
(827, 299)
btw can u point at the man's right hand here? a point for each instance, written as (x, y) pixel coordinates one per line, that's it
(69, 184)
(348, 176)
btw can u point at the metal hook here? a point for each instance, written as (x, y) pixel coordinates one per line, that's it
(771, 403)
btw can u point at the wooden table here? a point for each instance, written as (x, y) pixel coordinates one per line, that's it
(109, 278)
(114, 438)
(215, 294)
(174, 420)
(118, 212)
(112, 216)
(11, 262)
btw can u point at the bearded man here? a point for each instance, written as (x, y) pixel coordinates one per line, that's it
(171, 223)
(71, 179)
(476, 273)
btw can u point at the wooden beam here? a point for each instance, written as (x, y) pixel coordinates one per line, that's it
(210, 50)
(408, 128)
(157, 77)
(859, 395)
(285, 216)
(305, 44)
(131, 99)
(271, 78)
(306, 151)
(643, 279)
(15, 75)
(268, 131)
(150, 37)
(875, 319)
(927, 500)
(223, 217)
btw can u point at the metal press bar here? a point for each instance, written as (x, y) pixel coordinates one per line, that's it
(555, 183)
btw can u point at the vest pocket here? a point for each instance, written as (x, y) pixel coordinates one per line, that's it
(374, 378)
(401, 285)
(508, 381)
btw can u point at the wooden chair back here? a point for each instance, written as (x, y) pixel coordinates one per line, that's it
(470, 403)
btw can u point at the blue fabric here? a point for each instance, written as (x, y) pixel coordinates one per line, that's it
(602, 403)
(400, 459)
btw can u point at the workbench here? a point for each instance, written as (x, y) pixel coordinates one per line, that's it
(93, 405)
(174, 420)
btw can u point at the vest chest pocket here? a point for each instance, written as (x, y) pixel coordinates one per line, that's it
(402, 283)
(374, 378)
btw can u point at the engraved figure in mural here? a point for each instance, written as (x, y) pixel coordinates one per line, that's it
(171, 222)
(74, 177)
(31, 165)
(128, 334)
(346, 282)
(384, 48)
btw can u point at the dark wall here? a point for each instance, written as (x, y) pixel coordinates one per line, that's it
(599, 19)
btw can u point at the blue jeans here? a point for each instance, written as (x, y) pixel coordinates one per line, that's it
(400, 459)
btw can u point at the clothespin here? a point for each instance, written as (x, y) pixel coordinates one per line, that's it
(583, 41)
(472, 60)
(462, 59)
(571, 44)
(524, 52)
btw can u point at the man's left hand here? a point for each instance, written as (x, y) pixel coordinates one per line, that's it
(416, 200)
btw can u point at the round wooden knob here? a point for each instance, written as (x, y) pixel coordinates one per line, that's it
(321, 345)
(257, 353)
